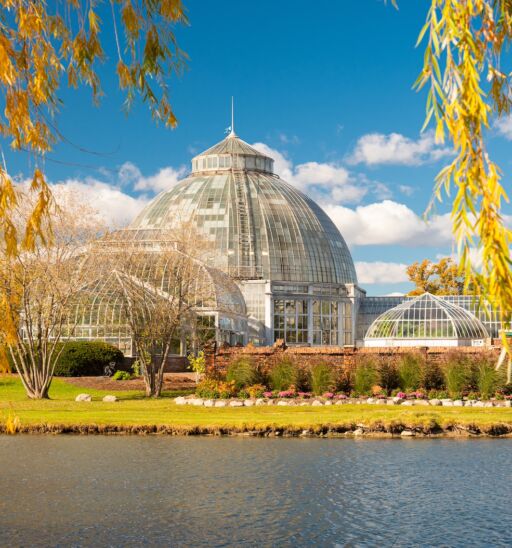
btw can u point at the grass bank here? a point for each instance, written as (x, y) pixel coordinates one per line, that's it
(135, 414)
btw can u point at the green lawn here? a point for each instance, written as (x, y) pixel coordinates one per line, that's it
(134, 409)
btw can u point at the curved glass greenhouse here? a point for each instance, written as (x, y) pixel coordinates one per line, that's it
(218, 310)
(426, 320)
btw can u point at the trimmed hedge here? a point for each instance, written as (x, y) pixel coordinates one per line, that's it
(87, 358)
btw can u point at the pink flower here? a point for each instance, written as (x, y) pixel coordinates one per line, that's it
(402, 395)
(267, 394)
(340, 397)
(328, 395)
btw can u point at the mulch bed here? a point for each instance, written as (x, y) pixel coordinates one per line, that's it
(172, 381)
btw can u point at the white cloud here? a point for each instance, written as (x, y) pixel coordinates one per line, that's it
(162, 180)
(115, 207)
(406, 189)
(504, 127)
(395, 148)
(380, 272)
(389, 223)
(321, 179)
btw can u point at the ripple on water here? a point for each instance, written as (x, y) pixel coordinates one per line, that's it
(132, 491)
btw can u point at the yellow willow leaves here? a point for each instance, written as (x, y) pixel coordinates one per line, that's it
(38, 223)
(46, 45)
(464, 40)
(8, 201)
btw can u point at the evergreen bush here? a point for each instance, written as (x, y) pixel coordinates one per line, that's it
(87, 358)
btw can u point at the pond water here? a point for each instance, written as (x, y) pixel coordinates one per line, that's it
(162, 491)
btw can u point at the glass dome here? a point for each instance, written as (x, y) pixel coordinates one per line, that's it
(426, 318)
(101, 311)
(260, 226)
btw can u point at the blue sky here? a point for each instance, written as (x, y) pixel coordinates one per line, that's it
(326, 87)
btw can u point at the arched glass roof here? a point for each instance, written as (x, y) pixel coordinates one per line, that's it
(259, 226)
(427, 317)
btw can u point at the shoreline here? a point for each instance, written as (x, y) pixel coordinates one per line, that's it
(347, 431)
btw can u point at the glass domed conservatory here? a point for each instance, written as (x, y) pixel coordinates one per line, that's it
(277, 267)
(426, 320)
(289, 260)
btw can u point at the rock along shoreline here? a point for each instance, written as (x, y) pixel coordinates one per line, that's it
(396, 430)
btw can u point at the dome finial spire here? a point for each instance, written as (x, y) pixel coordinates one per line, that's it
(232, 133)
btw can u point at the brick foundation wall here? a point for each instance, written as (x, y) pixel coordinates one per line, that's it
(218, 359)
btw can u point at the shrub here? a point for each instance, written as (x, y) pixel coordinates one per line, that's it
(486, 380)
(121, 376)
(432, 377)
(86, 358)
(321, 378)
(388, 375)
(365, 377)
(212, 389)
(283, 375)
(197, 364)
(456, 376)
(256, 391)
(242, 372)
(409, 371)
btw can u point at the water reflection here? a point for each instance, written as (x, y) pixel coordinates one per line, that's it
(132, 491)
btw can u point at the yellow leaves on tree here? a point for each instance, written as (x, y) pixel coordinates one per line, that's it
(466, 88)
(44, 45)
(442, 278)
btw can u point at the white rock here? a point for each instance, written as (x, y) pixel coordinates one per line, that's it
(446, 400)
(408, 403)
(407, 433)
(316, 403)
(458, 403)
(508, 403)
(220, 403)
(358, 432)
(479, 404)
(109, 398)
(282, 402)
(270, 402)
(447, 403)
(328, 402)
(392, 402)
(83, 397)
(236, 403)
(209, 403)
(434, 401)
(304, 403)
(396, 399)
(180, 400)
(370, 400)
(260, 401)
(340, 402)
(489, 404)
(197, 401)
(420, 402)
(249, 403)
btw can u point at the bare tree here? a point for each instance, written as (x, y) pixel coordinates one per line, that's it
(163, 283)
(38, 291)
